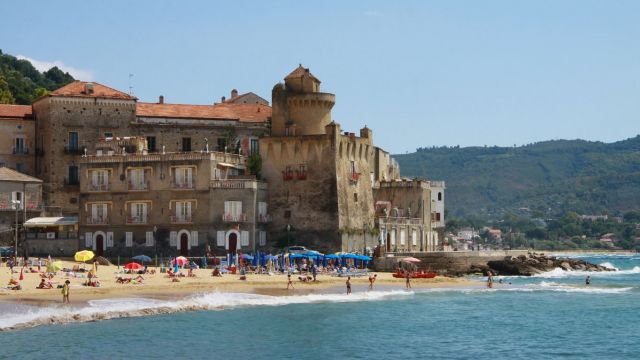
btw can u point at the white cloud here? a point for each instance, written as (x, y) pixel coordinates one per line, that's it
(78, 74)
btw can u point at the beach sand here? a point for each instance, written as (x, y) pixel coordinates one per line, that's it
(159, 286)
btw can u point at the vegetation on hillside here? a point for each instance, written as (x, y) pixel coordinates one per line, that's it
(21, 83)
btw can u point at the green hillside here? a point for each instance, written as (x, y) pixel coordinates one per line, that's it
(550, 177)
(21, 83)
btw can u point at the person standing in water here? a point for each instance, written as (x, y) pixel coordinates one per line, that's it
(65, 292)
(587, 281)
(348, 285)
(372, 279)
(489, 280)
(408, 282)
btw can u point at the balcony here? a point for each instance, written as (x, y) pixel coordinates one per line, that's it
(182, 185)
(182, 219)
(399, 221)
(287, 175)
(137, 220)
(98, 187)
(138, 186)
(264, 218)
(74, 150)
(98, 220)
(234, 218)
(20, 151)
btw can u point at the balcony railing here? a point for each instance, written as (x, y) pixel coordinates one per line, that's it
(98, 220)
(301, 175)
(21, 151)
(98, 187)
(74, 150)
(264, 218)
(234, 217)
(182, 185)
(137, 220)
(399, 221)
(137, 186)
(182, 219)
(57, 235)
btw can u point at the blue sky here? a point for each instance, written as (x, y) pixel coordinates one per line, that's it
(419, 73)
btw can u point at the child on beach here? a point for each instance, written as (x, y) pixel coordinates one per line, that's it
(372, 279)
(348, 285)
(289, 282)
(65, 292)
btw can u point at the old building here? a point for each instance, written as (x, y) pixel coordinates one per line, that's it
(17, 138)
(168, 203)
(20, 199)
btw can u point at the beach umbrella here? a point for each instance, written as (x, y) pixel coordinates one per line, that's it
(180, 261)
(246, 257)
(84, 255)
(142, 258)
(133, 266)
(54, 266)
(410, 260)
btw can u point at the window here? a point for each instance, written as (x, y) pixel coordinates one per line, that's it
(138, 213)
(73, 140)
(73, 178)
(262, 208)
(414, 238)
(20, 167)
(437, 216)
(16, 196)
(99, 180)
(149, 240)
(263, 238)
(355, 197)
(19, 146)
(354, 167)
(222, 144)
(108, 134)
(302, 172)
(128, 240)
(183, 177)
(287, 214)
(151, 144)
(244, 238)
(137, 179)
(255, 146)
(233, 210)
(183, 211)
(393, 237)
(186, 144)
(440, 196)
(98, 214)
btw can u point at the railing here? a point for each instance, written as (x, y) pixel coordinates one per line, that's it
(137, 219)
(234, 217)
(98, 221)
(98, 187)
(186, 219)
(228, 184)
(31, 206)
(20, 151)
(144, 185)
(57, 235)
(183, 185)
(301, 175)
(74, 150)
(399, 221)
(264, 218)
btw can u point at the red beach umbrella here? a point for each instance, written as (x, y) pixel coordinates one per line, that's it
(181, 260)
(410, 260)
(133, 266)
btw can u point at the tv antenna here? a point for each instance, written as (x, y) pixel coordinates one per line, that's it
(130, 87)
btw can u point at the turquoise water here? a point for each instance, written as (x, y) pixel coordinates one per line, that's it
(554, 316)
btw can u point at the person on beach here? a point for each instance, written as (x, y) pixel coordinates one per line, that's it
(314, 271)
(65, 292)
(587, 281)
(289, 282)
(408, 277)
(372, 279)
(489, 280)
(348, 285)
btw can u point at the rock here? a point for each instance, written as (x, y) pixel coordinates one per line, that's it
(565, 266)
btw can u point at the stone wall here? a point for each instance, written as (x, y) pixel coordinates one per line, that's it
(22, 160)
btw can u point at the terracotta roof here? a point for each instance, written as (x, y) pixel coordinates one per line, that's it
(78, 88)
(16, 111)
(237, 99)
(225, 111)
(299, 72)
(7, 174)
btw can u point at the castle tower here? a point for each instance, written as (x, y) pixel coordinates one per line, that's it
(299, 108)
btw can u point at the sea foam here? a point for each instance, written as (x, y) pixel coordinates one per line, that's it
(560, 273)
(136, 307)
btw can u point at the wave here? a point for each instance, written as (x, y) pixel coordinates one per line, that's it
(609, 265)
(550, 287)
(136, 307)
(560, 273)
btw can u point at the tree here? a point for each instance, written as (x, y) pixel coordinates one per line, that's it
(5, 94)
(255, 165)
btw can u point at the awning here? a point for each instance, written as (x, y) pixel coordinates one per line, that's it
(231, 165)
(51, 221)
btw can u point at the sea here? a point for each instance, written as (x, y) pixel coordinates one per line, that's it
(550, 316)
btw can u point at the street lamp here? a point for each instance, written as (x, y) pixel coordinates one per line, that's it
(288, 235)
(16, 206)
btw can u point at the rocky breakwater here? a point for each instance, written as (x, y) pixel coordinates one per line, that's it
(531, 264)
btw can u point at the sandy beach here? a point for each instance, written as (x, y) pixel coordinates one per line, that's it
(160, 286)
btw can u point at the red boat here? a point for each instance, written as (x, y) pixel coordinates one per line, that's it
(418, 275)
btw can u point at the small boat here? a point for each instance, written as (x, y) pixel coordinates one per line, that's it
(418, 275)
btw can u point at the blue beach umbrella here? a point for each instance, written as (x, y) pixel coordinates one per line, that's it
(142, 258)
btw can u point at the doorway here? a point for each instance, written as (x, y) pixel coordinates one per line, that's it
(388, 242)
(184, 244)
(99, 245)
(233, 242)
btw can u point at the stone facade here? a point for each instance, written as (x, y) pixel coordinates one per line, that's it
(169, 203)
(17, 145)
(15, 186)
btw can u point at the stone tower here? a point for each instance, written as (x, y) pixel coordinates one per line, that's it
(299, 108)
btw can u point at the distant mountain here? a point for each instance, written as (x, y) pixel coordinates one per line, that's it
(547, 178)
(21, 83)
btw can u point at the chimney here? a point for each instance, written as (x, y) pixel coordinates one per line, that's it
(161, 99)
(234, 93)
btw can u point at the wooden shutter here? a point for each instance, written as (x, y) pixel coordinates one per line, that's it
(402, 236)
(128, 240)
(149, 238)
(244, 236)
(88, 239)
(172, 238)
(109, 242)
(194, 238)
(220, 238)
(263, 238)
(414, 238)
